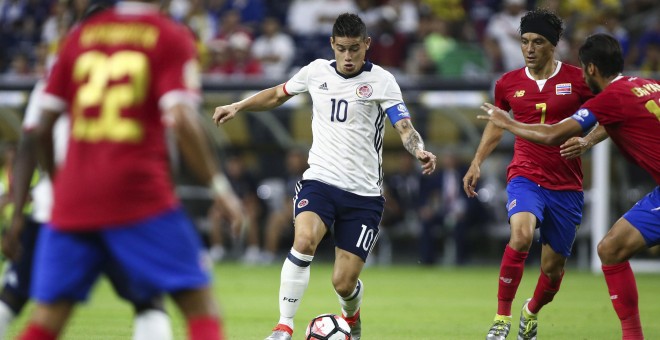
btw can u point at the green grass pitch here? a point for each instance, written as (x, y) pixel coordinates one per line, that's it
(400, 302)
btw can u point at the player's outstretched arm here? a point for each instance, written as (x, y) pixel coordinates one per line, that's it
(576, 146)
(489, 141)
(24, 167)
(197, 154)
(538, 133)
(264, 100)
(413, 142)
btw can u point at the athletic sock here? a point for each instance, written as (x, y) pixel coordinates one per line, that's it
(544, 293)
(152, 324)
(7, 315)
(511, 272)
(37, 332)
(204, 328)
(623, 294)
(293, 283)
(350, 305)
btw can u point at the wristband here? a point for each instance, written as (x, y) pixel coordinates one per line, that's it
(220, 185)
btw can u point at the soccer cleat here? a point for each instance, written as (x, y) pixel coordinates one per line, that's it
(500, 328)
(528, 323)
(281, 332)
(356, 325)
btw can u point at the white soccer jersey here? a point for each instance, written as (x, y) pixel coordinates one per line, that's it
(348, 117)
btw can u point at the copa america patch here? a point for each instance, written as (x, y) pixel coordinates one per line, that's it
(364, 90)
(563, 89)
(303, 202)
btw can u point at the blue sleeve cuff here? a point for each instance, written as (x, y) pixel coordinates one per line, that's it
(585, 118)
(397, 112)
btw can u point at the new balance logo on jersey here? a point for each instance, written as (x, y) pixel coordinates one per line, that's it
(614, 297)
(519, 94)
(506, 280)
(323, 86)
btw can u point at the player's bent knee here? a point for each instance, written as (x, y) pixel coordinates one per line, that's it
(609, 253)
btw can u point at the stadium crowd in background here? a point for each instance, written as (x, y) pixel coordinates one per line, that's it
(275, 38)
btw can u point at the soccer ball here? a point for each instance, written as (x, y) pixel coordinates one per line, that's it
(328, 327)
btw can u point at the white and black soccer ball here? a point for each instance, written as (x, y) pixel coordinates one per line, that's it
(328, 327)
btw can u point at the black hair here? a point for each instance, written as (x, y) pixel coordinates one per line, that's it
(604, 52)
(542, 21)
(349, 25)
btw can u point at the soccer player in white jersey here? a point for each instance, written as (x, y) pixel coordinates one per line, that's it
(341, 192)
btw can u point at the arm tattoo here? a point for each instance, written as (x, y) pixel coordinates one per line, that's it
(414, 142)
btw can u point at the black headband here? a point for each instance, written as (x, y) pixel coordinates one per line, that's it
(541, 27)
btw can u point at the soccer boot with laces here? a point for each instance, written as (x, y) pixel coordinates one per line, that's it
(281, 332)
(356, 325)
(500, 328)
(528, 323)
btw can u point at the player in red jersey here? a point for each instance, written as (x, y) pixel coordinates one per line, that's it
(125, 75)
(544, 190)
(629, 110)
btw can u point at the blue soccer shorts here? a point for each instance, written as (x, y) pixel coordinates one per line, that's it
(559, 212)
(645, 216)
(161, 254)
(352, 219)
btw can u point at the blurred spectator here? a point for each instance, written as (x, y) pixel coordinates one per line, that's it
(242, 62)
(651, 36)
(250, 12)
(19, 66)
(231, 23)
(650, 66)
(274, 49)
(442, 209)
(233, 57)
(219, 57)
(502, 41)
(201, 21)
(388, 47)
(244, 183)
(407, 15)
(278, 9)
(280, 217)
(610, 23)
(404, 186)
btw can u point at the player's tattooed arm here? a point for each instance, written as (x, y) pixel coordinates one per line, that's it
(413, 142)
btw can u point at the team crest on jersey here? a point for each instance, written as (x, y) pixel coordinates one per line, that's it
(519, 94)
(303, 203)
(364, 90)
(563, 89)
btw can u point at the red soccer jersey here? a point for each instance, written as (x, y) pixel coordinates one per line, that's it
(560, 96)
(629, 109)
(115, 74)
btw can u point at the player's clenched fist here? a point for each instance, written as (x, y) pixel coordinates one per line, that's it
(224, 113)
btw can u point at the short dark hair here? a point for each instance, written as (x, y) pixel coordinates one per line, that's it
(349, 25)
(542, 21)
(604, 52)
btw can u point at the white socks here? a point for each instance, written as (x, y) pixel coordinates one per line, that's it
(293, 283)
(6, 317)
(152, 324)
(351, 304)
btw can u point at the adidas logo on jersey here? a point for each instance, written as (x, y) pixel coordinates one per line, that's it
(323, 86)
